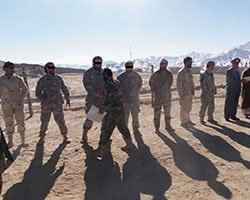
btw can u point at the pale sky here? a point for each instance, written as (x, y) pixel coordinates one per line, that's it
(73, 31)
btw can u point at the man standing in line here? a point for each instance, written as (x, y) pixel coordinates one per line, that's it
(245, 93)
(48, 91)
(131, 83)
(233, 88)
(115, 116)
(208, 90)
(93, 82)
(12, 92)
(160, 83)
(185, 88)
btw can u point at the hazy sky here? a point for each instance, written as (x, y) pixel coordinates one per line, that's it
(73, 31)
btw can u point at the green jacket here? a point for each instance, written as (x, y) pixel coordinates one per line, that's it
(160, 83)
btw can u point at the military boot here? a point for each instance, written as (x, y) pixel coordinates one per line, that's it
(23, 140)
(169, 127)
(98, 152)
(10, 141)
(157, 128)
(129, 145)
(84, 136)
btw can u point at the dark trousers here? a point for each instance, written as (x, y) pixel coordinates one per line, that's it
(108, 125)
(231, 104)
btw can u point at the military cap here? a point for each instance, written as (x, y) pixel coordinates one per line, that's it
(235, 60)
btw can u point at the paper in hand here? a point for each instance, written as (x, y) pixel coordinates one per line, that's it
(94, 114)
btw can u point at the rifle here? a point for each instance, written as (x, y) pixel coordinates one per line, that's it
(28, 97)
(4, 147)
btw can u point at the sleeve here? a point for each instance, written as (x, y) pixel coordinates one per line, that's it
(139, 82)
(87, 83)
(39, 89)
(203, 83)
(24, 87)
(64, 89)
(152, 83)
(179, 84)
(170, 80)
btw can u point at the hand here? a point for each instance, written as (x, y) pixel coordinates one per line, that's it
(45, 103)
(68, 102)
(181, 98)
(101, 110)
(98, 95)
(208, 97)
(244, 81)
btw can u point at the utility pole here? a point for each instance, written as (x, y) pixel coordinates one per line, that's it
(130, 53)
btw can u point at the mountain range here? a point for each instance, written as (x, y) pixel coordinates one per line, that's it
(199, 60)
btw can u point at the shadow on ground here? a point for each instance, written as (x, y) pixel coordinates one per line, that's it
(39, 178)
(195, 165)
(239, 137)
(219, 147)
(141, 174)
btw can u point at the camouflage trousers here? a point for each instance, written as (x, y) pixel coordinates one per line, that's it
(185, 108)
(158, 104)
(9, 112)
(108, 125)
(88, 123)
(134, 109)
(57, 111)
(207, 104)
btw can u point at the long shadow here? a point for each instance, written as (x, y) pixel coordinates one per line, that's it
(195, 165)
(143, 174)
(219, 147)
(39, 178)
(102, 177)
(239, 137)
(15, 154)
(241, 123)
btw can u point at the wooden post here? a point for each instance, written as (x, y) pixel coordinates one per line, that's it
(152, 94)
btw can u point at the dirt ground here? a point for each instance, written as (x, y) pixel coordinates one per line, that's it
(209, 162)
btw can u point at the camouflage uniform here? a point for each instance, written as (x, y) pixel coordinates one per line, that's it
(208, 88)
(48, 90)
(131, 83)
(115, 112)
(93, 82)
(160, 84)
(12, 92)
(185, 88)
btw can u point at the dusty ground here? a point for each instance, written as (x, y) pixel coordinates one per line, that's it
(206, 162)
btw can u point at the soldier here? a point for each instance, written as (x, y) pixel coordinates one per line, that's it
(160, 83)
(4, 153)
(114, 107)
(48, 91)
(131, 83)
(12, 92)
(233, 88)
(208, 90)
(185, 88)
(94, 84)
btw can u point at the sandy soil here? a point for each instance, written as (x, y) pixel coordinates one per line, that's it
(206, 162)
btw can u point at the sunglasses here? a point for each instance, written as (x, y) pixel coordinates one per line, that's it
(97, 63)
(51, 67)
(129, 66)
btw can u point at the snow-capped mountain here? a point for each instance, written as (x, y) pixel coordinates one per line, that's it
(199, 60)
